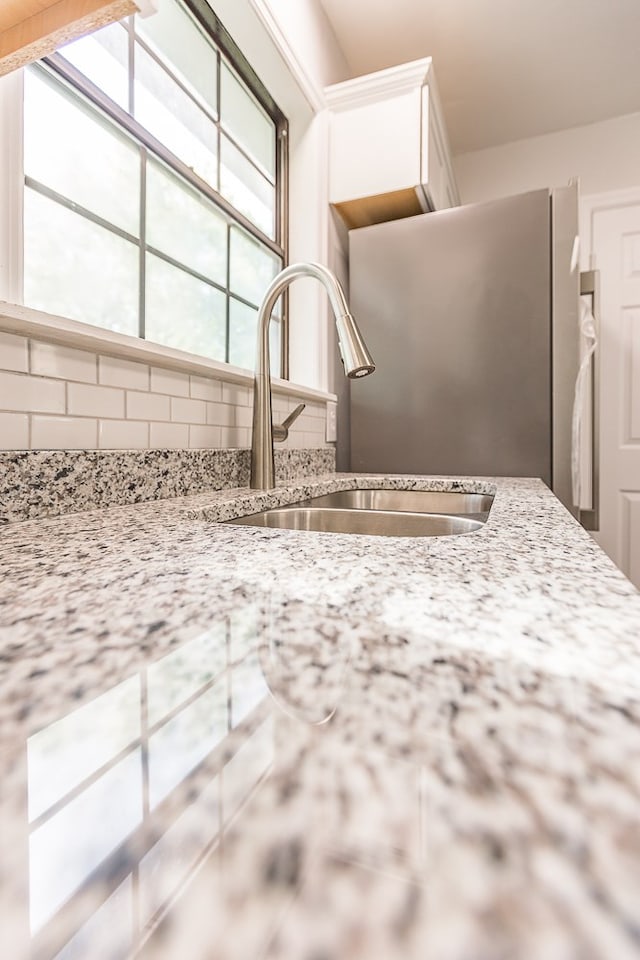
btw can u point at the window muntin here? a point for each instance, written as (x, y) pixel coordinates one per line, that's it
(251, 267)
(178, 40)
(243, 326)
(185, 225)
(167, 241)
(244, 187)
(92, 276)
(246, 121)
(168, 112)
(103, 57)
(72, 150)
(183, 311)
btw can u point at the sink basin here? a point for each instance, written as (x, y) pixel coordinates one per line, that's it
(411, 501)
(380, 523)
(381, 513)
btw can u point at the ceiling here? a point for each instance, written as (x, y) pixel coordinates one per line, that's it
(506, 69)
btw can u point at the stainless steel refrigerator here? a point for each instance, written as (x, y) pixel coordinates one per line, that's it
(471, 315)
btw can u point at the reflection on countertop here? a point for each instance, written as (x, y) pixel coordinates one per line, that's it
(225, 742)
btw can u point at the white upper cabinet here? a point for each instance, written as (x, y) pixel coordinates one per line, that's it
(388, 150)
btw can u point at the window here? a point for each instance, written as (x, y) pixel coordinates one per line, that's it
(154, 180)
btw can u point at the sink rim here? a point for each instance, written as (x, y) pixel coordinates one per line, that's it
(341, 499)
(355, 522)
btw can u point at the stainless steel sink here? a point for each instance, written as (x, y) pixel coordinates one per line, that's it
(379, 523)
(382, 513)
(412, 501)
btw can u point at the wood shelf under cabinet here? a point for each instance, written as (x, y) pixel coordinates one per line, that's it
(31, 29)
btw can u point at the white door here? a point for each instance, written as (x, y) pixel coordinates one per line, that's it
(615, 246)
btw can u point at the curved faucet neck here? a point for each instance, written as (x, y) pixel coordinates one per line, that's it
(280, 283)
(262, 459)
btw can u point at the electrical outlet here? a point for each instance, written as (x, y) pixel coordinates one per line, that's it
(332, 422)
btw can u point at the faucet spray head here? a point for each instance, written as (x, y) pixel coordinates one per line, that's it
(356, 359)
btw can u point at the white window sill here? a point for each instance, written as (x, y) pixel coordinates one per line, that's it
(46, 326)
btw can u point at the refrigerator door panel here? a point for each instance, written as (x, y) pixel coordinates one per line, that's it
(456, 309)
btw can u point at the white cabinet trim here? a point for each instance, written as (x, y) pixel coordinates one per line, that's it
(382, 83)
(312, 93)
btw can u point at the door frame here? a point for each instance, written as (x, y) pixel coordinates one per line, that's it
(594, 203)
(591, 205)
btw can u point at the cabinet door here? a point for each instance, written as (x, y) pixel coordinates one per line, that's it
(375, 147)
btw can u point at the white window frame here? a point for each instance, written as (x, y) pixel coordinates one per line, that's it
(11, 187)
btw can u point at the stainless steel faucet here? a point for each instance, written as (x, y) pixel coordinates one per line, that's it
(356, 360)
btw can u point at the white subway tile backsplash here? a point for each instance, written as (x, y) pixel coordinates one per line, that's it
(312, 441)
(317, 411)
(14, 431)
(311, 425)
(14, 352)
(63, 433)
(115, 372)
(188, 411)
(302, 423)
(244, 416)
(148, 406)
(221, 414)
(204, 436)
(172, 435)
(205, 388)
(55, 397)
(67, 363)
(280, 407)
(235, 437)
(240, 396)
(169, 381)
(31, 394)
(123, 435)
(95, 401)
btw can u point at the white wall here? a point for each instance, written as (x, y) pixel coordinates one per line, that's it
(605, 156)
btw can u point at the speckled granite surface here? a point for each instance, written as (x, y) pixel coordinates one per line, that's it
(50, 483)
(226, 742)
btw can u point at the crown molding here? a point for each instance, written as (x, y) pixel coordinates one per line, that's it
(311, 92)
(382, 83)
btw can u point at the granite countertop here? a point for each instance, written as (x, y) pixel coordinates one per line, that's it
(233, 743)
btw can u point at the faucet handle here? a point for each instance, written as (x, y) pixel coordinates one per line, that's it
(281, 430)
